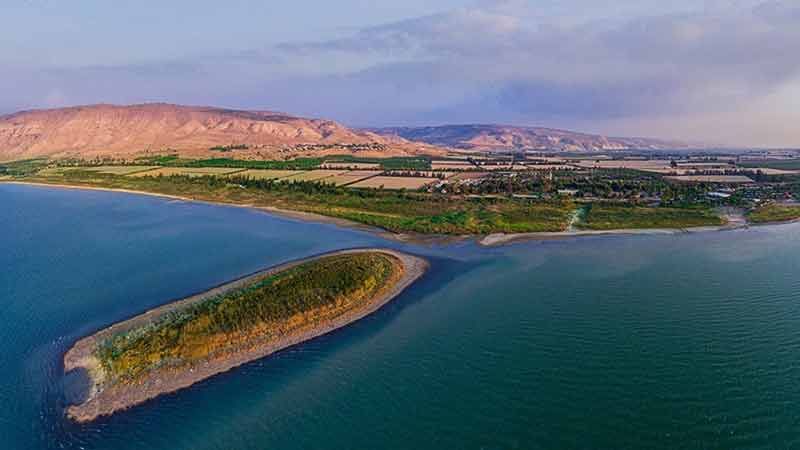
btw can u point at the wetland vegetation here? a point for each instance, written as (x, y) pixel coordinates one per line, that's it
(276, 305)
(179, 344)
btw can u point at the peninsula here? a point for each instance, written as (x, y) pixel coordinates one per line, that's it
(179, 344)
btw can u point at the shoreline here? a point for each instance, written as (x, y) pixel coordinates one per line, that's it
(415, 238)
(106, 400)
(489, 240)
(733, 222)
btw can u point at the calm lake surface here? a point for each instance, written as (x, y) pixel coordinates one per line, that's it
(689, 341)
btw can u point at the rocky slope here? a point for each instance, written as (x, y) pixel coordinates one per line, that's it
(124, 131)
(503, 137)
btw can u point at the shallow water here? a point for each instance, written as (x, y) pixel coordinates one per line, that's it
(687, 341)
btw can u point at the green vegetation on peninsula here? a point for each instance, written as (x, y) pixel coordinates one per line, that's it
(302, 295)
(193, 339)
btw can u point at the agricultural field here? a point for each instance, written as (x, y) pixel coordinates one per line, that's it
(728, 179)
(391, 163)
(770, 171)
(704, 165)
(452, 165)
(118, 170)
(175, 161)
(774, 213)
(463, 176)
(395, 182)
(654, 165)
(263, 174)
(351, 165)
(108, 170)
(781, 164)
(548, 167)
(421, 173)
(608, 216)
(314, 175)
(188, 171)
(352, 177)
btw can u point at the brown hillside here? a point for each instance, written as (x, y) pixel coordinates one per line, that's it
(125, 131)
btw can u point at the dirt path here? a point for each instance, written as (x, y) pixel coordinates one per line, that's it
(577, 217)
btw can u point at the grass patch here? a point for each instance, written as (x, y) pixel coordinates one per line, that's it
(22, 168)
(774, 213)
(607, 216)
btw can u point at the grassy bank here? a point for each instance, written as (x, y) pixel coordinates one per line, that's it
(395, 211)
(392, 210)
(774, 213)
(608, 216)
(303, 296)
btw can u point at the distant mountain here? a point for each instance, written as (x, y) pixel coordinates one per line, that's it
(504, 137)
(124, 131)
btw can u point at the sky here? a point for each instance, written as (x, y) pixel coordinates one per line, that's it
(723, 72)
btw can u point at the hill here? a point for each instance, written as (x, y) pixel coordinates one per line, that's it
(505, 137)
(136, 130)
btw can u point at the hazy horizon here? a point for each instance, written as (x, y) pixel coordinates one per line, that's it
(721, 71)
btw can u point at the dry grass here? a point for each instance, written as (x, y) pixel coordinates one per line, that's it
(395, 182)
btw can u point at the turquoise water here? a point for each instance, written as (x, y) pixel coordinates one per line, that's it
(689, 341)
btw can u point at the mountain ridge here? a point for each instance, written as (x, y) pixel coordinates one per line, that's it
(127, 131)
(134, 130)
(488, 137)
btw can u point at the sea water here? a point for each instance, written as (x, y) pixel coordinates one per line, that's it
(684, 341)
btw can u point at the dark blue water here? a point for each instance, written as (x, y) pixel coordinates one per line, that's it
(689, 341)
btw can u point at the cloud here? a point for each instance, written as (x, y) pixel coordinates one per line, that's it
(500, 61)
(651, 65)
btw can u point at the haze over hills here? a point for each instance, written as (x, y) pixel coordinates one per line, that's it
(138, 130)
(506, 137)
(124, 131)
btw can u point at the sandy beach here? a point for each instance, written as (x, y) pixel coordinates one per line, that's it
(105, 399)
